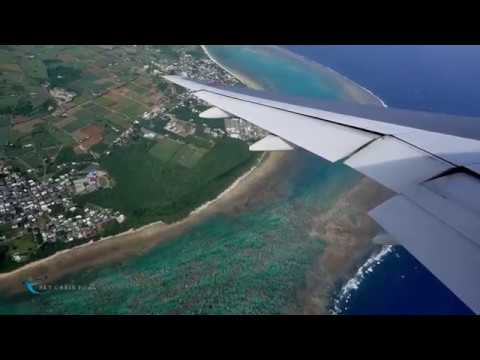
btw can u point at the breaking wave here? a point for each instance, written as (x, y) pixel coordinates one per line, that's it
(341, 301)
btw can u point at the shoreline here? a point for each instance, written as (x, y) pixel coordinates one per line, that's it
(242, 78)
(349, 253)
(123, 246)
(157, 226)
(347, 83)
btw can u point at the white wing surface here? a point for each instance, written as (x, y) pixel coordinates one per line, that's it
(432, 161)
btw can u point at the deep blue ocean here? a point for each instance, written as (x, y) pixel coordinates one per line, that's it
(431, 78)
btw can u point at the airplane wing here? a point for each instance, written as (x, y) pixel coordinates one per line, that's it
(431, 161)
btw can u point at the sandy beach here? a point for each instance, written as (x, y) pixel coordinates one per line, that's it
(242, 78)
(136, 242)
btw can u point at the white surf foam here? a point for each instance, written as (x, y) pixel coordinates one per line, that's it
(341, 301)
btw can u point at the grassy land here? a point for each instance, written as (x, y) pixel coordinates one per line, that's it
(24, 244)
(4, 129)
(186, 155)
(189, 155)
(165, 148)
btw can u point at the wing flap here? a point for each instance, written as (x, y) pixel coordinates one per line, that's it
(452, 258)
(395, 164)
(454, 149)
(446, 210)
(270, 143)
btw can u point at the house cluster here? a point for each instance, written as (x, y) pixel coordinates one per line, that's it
(127, 135)
(47, 207)
(215, 132)
(243, 130)
(80, 225)
(180, 127)
(197, 69)
(205, 70)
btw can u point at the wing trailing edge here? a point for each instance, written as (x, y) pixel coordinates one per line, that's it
(432, 161)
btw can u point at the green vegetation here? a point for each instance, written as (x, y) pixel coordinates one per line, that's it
(42, 137)
(186, 155)
(4, 129)
(61, 136)
(131, 108)
(148, 189)
(34, 68)
(60, 74)
(165, 148)
(189, 155)
(105, 101)
(67, 154)
(23, 245)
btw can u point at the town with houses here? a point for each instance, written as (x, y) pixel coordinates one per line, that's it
(38, 208)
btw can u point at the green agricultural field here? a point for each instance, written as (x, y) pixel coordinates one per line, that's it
(66, 154)
(78, 124)
(5, 120)
(189, 155)
(62, 74)
(61, 136)
(10, 67)
(139, 89)
(228, 153)
(86, 53)
(199, 141)
(165, 149)
(8, 102)
(31, 158)
(98, 111)
(88, 114)
(109, 136)
(14, 135)
(4, 129)
(34, 68)
(105, 101)
(4, 135)
(131, 108)
(119, 120)
(41, 137)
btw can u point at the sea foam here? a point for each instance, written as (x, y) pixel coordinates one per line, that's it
(342, 299)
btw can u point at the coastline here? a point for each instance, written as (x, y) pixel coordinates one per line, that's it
(350, 87)
(349, 252)
(250, 83)
(136, 242)
(265, 164)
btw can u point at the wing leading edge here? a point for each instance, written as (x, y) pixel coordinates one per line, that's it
(433, 167)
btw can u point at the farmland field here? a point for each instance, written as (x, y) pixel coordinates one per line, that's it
(61, 136)
(165, 149)
(189, 155)
(131, 108)
(34, 68)
(4, 129)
